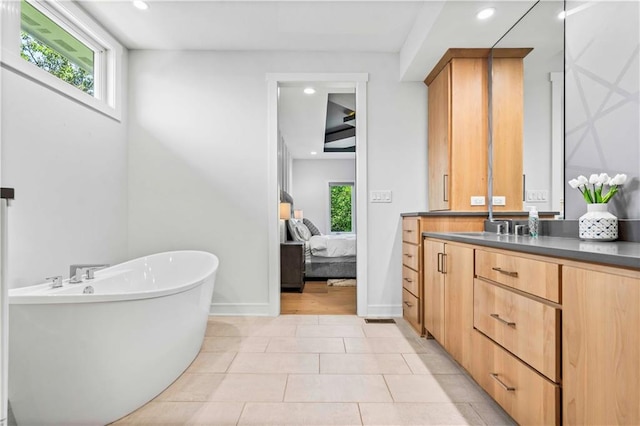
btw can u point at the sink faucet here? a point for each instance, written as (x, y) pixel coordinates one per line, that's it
(76, 271)
(502, 227)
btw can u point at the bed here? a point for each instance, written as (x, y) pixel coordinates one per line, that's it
(326, 256)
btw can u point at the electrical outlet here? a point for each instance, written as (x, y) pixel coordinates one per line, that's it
(477, 200)
(380, 196)
(537, 196)
(499, 200)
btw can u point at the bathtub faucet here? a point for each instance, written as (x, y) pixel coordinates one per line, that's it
(76, 271)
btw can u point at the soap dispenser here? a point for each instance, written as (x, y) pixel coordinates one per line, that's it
(534, 221)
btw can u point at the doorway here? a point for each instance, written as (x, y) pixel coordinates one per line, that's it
(353, 82)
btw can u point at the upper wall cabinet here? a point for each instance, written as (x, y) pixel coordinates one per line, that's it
(458, 129)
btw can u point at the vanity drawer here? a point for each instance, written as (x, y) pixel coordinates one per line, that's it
(410, 281)
(531, 276)
(523, 393)
(411, 309)
(411, 230)
(527, 328)
(410, 256)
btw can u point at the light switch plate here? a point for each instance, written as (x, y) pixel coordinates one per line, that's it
(477, 200)
(537, 196)
(499, 200)
(381, 196)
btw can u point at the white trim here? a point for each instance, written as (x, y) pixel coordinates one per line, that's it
(557, 142)
(109, 95)
(385, 311)
(359, 80)
(240, 309)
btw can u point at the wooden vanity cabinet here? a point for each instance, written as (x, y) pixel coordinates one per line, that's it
(448, 297)
(600, 345)
(412, 272)
(458, 130)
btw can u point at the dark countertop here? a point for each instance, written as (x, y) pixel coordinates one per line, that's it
(478, 213)
(614, 253)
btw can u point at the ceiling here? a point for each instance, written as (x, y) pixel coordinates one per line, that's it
(418, 31)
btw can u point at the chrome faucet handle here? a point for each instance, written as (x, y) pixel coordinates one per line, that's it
(56, 281)
(520, 229)
(76, 271)
(93, 269)
(499, 228)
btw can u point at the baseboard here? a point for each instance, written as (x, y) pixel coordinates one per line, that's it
(374, 311)
(242, 309)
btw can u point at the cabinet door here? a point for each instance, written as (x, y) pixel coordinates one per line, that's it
(600, 348)
(439, 116)
(434, 289)
(458, 302)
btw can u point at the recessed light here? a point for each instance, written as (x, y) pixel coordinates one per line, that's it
(486, 13)
(309, 90)
(314, 153)
(139, 4)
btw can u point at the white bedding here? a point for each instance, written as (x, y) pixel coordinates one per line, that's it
(333, 245)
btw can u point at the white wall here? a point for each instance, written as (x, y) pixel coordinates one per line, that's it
(68, 164)
(198, 162)
(311, 187)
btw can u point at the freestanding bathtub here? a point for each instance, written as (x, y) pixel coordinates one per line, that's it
(89, 359)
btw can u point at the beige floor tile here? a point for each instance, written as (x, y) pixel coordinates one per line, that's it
(340, 320)
(493, 414)
(400, 414)
(275, 363)
(185, 413)
(267, 330)
(226, 387)
(433, 363)
(386, 330)
(218, 319)
(363, 364)
(439, 388)
(235, 344)
(336, 388)
(329, 331)
(297, 413)
(295, 319)
(384, 345)
(306, 344)
(211, 362)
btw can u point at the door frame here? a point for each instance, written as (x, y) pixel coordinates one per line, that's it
(359, 82)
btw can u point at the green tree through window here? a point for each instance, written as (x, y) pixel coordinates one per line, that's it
(341, 202)
(53, 62)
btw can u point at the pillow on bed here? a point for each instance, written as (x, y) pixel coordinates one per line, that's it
(312, 228)
(298, 230)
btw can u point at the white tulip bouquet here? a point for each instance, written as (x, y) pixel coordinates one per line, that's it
(598, 182)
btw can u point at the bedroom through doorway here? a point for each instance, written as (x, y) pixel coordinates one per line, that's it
(317, 187)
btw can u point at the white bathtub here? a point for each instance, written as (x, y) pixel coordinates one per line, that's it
(89, 359)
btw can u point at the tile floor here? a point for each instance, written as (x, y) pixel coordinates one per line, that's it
(319, 370)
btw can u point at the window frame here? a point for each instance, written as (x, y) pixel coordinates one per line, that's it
(353, 206)
(108, 54)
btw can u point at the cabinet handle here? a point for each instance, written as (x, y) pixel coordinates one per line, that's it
(509, 273)
(505, 322)
(445, 187)
(408, 304)
(494, 376)
(408, 230)
(409, 280)
(524, 188)
(444, 263)
(408, 255)
(439, 262)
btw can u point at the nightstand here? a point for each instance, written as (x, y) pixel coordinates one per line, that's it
(292, 266)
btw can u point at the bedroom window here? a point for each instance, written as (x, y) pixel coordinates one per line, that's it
(341, 202)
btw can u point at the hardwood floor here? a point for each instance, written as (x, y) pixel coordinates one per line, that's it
(319, 299)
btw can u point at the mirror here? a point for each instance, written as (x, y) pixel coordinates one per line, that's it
(542, 30)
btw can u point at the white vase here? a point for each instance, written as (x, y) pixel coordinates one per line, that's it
(597, 224)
